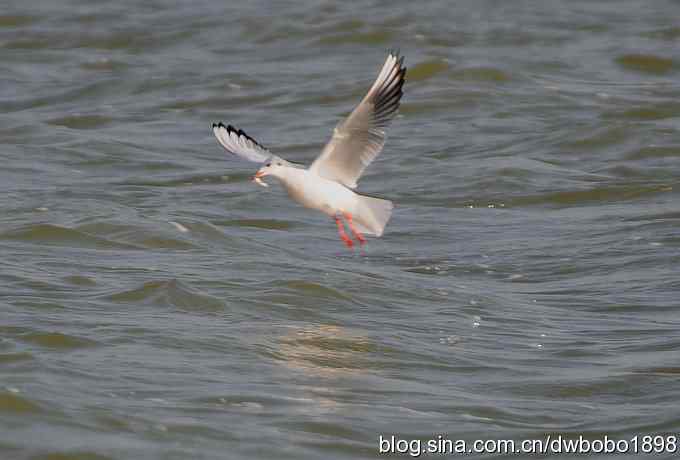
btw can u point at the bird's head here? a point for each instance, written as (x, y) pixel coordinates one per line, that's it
(271, 167)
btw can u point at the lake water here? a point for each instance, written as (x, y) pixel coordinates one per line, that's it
(156, 304)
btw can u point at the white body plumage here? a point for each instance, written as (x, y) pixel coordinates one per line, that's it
(313, 191)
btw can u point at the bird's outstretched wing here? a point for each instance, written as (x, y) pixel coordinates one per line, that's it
(360, 137)
(239, 143)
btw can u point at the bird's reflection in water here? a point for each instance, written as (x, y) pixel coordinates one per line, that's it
(325, 354)
(326, 350)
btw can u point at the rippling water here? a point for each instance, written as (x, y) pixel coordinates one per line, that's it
(156, 304)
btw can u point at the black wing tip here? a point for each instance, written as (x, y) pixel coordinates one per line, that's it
(239, 133)
(388, 98)
(229, 128)
(395, 53)
(395, 83)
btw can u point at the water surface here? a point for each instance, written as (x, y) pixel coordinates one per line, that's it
(154, 303)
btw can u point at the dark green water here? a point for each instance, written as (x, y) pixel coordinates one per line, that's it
(156, 304)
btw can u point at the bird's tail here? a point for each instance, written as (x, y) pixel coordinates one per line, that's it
(371, 214)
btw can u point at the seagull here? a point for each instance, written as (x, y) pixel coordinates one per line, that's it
(329, 182)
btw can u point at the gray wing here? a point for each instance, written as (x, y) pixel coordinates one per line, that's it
(360, 137)
(239, 143)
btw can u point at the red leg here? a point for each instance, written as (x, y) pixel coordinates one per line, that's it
(341, 232)
(356, 232)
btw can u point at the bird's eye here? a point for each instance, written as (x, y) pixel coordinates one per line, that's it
(268, 164)
(278, 164)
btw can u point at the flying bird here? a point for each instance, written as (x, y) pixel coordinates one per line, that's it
(328, 184)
